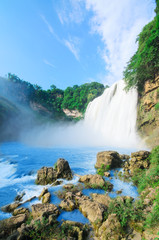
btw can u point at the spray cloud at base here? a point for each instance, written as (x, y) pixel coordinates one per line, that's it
(110, 120)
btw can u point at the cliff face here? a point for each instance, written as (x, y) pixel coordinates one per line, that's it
(148, 113)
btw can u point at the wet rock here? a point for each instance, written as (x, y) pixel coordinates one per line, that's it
(30, 199)
(44, 210)
(67, 205)
(108, 158)
(63, 169)
(68, 186)
(44, 191)
(107, 174)
(139, 160)
(19, 197)
(46, 198)
(124, 156)
(75, 230)
(101, 198)
(10, 207)
(46, 175)
(110, 229)
(96, 181)
(21, 210)
(8, 225)
(57, 182)
(119, 191)
(92, 210)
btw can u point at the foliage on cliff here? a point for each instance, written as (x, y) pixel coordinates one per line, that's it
(144, 65)
(53, 99)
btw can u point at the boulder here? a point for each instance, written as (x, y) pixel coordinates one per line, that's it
(44, 191)
(92, 210)
(21, 210)
(10, 207)
(107, 174)
(139, 160)
(96, 181)
(44, 210)
(57, 182)
(67, 205)
(75, 230)
(108, 158)
(8, 225)
(63, 169)
(101, 198)
(110, 229)
(46, 175)
(124, 156)
(46, 198)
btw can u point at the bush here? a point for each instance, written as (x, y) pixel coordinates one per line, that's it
(103, 169)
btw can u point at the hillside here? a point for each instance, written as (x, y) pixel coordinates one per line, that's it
(23, 105)
(142, 72)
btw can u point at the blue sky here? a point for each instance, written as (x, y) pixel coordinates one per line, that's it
(68, 42)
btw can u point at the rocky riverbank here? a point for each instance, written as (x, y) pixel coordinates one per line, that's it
(120, 218)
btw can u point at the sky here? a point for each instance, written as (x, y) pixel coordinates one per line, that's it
(69, 42)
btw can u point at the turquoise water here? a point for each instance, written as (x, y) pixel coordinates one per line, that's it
(19, 164)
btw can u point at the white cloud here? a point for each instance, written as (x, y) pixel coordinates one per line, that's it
(71, 11)
(50, 28)
(48, 63)
(73, 45)
(118, 23)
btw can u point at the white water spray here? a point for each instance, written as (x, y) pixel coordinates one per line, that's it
(112, 116)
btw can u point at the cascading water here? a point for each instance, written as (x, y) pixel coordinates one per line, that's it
(112, 116)
(110, 120)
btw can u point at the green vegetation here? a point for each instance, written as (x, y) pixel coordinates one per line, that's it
(144, 65)
(103, 169)
(157, 106)
(78, 97)
(54, 100)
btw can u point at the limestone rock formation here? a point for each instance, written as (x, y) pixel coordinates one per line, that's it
(47, 175)
(108, 158)
(95, 181)
(139, 160)
(110, 229)
(44, 210)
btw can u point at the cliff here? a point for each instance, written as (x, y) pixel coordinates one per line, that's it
(148, 113)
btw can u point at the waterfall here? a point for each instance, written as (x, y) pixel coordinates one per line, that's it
(112, 117)
(110, 121)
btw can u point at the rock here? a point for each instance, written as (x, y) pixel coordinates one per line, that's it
(21, 211)
(110, 229)
(8, 225)
(46, 198)
(139, 160)
(68, 186)
(75, 230)
(57, 182)
(67, 205)
(63, 169)
(10, 207)
(118, 191)
(19, 197)
(46, 175)
(44, 210)
(110, 158)
(135, 236)
(107, 174)
(101, 198)
(92, 210)
(96, 181)
(124, 156)
(151, 234)
(140, 155)
(44, 191)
